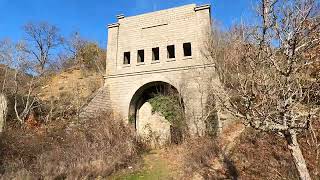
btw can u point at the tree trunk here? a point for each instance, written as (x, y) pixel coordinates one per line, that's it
(3, 111)
(297, 155)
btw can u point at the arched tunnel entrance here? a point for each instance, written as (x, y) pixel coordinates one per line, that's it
(149, 123)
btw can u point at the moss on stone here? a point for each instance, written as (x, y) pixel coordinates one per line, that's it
(169, 107)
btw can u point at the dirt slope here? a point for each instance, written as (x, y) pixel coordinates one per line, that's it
(72, 86)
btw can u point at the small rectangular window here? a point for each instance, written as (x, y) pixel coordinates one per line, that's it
(140, 56)
(155, 54)
(126, 58)
(171, 51)
(187, 49)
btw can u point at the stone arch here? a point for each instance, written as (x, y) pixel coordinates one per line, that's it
(145, 92)
(153, 127)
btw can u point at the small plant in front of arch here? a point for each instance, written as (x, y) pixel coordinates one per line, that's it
(131, 119)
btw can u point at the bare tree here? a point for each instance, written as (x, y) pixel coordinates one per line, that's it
(15, 80)
(75, 44)
(3, 111)
(5, 61)
(42, 39)
(6, 58)
(266, 72)
(85, 53)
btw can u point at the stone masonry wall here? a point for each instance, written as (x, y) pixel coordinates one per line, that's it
(189, 75)
(158, 29)
(100, 102)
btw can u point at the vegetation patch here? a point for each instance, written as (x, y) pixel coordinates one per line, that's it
(154, 166)
(58, 150)
(170, 107)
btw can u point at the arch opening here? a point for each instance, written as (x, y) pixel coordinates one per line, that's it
(141, 98)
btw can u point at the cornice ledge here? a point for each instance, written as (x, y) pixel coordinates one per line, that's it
(113, 25)
(202, 7)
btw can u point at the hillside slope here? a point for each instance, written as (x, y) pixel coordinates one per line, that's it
(73, 86)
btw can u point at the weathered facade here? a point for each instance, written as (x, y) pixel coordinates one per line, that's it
(160, 47)
(154, 50)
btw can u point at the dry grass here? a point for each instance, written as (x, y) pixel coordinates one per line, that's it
(252, 155)
(97, 147)
(266, 156)
(204, 157)
(263, 156)
(73, 86)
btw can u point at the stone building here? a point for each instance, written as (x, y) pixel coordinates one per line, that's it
(157, 49)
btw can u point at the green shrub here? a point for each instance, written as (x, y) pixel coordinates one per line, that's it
(132, 119)
(170, 107)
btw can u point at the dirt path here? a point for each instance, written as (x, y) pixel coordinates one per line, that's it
(165, 164)
(154, 166)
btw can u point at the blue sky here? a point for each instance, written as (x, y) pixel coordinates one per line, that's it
(90, 17)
